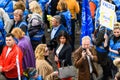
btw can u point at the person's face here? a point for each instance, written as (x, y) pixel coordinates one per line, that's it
(31, 8)
(54, 22)
(17, 17)
(46, 52)
(62, 40)
(10, 41)
(116, 32)
(86, 44)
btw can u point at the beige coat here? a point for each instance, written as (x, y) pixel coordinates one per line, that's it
(44, 69)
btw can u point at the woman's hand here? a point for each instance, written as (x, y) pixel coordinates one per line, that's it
(55, 73)
(56, 58)
(114, 51)
(105, 36)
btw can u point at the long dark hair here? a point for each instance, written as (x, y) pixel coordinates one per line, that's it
(65, 34)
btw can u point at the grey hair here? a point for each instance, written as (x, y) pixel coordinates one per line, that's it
(86, 37)
(58, 18)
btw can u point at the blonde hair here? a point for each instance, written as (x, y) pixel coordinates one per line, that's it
(18, 12)
(36, 7)
(18, 33)
(117, 25)
(39, 51)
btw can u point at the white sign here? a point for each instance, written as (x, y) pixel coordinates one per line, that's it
(107, 14)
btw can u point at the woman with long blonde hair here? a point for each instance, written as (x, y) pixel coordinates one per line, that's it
(35, 24)
(35, 7)
(43, 67)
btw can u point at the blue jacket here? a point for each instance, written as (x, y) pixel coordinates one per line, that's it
(23, 26)
(42, 4)
(36, 32)
(3, 3)
(117, 4)
(114, 46)
(66, 20)
(2, 32)
(9, 9)
(61, 27)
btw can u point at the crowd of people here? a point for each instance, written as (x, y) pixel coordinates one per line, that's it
(25, 52)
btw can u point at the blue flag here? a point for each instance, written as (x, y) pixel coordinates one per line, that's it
(87, 24)
(117, 3)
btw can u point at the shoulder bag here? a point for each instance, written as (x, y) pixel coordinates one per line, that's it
(66, 71)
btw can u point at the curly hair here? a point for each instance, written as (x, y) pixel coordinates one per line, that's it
(39, 51)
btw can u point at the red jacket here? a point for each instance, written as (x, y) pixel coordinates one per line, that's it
(9, 63)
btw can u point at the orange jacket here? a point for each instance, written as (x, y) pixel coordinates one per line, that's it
(92, 8)
(73, 6)
(9, 63)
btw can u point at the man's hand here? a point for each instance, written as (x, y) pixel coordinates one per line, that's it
(0, 68)
(89, 53)
(83, 54)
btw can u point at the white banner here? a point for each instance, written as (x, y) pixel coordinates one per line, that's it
(107, 14)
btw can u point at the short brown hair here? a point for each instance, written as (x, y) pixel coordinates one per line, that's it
(18, 12)
(19, 5)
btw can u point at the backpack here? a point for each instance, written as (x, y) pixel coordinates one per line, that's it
(2, 32)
